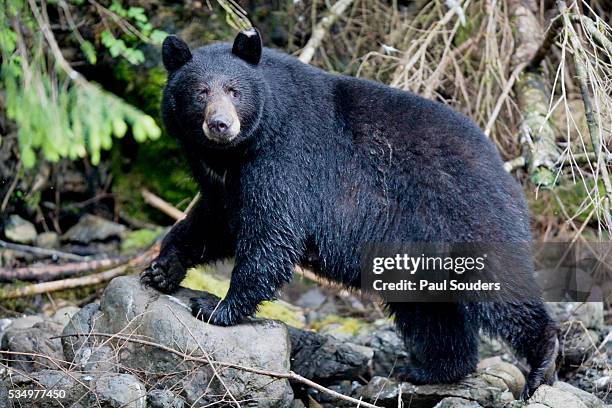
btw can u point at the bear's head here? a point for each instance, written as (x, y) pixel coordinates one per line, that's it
(214, 95)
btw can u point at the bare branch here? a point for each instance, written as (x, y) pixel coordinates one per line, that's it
(322, 29)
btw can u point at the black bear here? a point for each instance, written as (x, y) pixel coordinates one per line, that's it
(296, 166)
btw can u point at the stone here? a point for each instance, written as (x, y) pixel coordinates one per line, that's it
(4, 324)
(587, 399)
(311, 299)
(77, 390)
(454, 402)
(36, 340)
(296, 403)
(19, 230)
(96, 359)
(80, 323)
(93, 228)
(555, 398)
(389, 349)
(323, 359)
(483, 388)
(164, 399)
(576, 344)
(589, 313)
(26, 321)
(126, 307)
(64, 314)
(508, 373)
(49, 240)
(119, 391)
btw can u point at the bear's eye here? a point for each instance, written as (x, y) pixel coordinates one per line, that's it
(234, 93)
(203, 94)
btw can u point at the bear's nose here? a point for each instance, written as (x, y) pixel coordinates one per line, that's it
(219, 124)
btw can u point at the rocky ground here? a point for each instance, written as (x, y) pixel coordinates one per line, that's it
(139, 348)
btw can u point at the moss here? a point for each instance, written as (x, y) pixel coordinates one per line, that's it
(282, 311)
(573, 196)
(339, 325)
(204, 278)
(139, 239)
(26, 305)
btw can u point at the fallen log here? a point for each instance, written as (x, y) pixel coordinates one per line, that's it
(137, 262)
(43, 273)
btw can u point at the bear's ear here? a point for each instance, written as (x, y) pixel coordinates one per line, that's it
(175, 53)
(247, 46)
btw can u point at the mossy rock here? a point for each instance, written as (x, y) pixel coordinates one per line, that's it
(573, 196)
(334, 324)
(204, 278)
(139, 239)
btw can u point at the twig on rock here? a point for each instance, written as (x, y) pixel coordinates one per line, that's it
(290, 375)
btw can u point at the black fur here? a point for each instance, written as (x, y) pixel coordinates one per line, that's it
(325, 163)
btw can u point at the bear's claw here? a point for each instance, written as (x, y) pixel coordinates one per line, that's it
(164, 274)
(211, 309)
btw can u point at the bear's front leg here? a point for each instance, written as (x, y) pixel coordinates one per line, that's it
(191, 241)
(264, 262)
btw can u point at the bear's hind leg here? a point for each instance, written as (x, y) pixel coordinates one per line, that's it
(529, 329)
(442, 339)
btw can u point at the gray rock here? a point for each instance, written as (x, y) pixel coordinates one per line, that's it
(491, 386)
(552, 397)
(48, 240)
(81, 322)
(26, 321)
(327, 400)
(164, 399)
(33, 340)
(508, 373)
(323, 359)
(93, 228)
(19, 230)
(78, 390)
(297, 404)
(594, 376)
(589, 313)
(311, 299)
(4, 324)
(120, 390)
(389, 349)
(69, 389)
(587, 399)
(454, 402)
(576, 343)
(100, 359)
(64, 314)
(128, 308)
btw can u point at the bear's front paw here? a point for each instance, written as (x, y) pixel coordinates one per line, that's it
(211, 309)
(164, 274)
